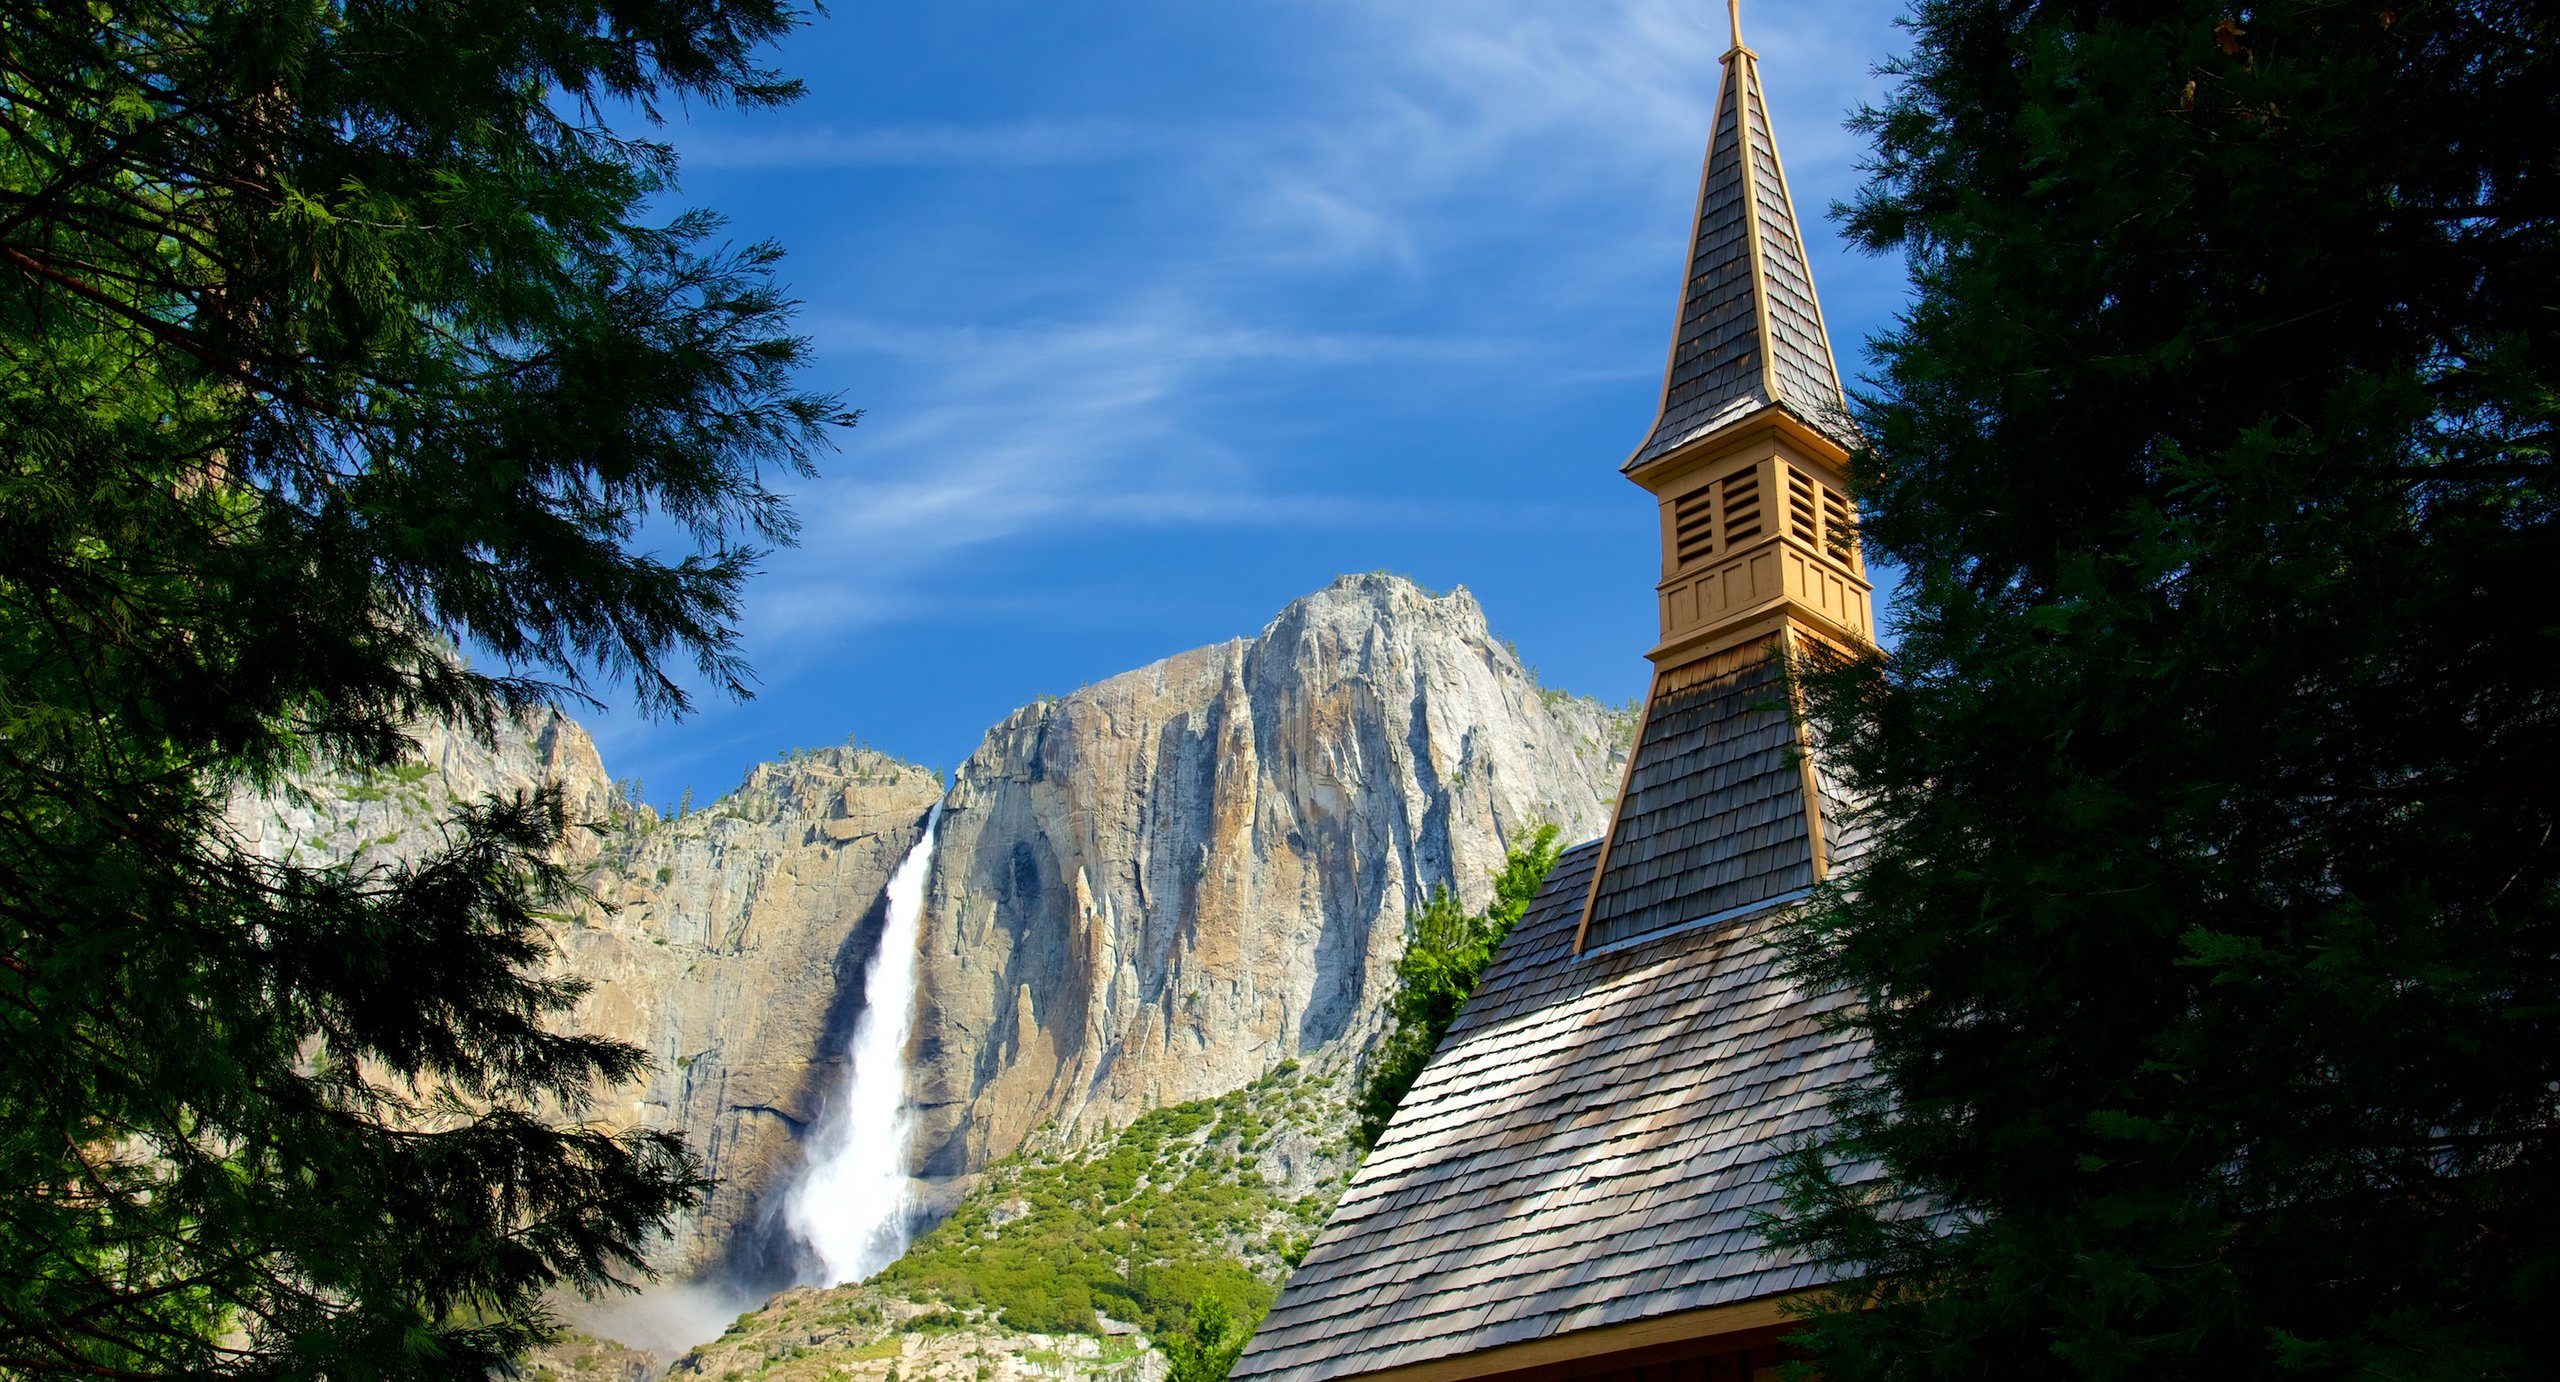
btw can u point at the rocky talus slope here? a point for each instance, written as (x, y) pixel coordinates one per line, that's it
(1151, 890)
(1093, 1258)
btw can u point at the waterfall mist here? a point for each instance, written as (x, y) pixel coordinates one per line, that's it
(852, 1206)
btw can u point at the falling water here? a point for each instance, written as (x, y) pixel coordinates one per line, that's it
(851, 1206)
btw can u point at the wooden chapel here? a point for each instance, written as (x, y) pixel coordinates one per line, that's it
(1571, 1188)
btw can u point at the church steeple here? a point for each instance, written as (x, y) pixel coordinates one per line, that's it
(1750, 332)
(1749, 450)
(1724, 811)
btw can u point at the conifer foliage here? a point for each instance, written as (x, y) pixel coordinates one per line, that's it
(334, 333)
(1447, 953)
(2210, 946)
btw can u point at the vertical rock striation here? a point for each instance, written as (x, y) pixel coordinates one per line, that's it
(1155, 888)
(729, 944)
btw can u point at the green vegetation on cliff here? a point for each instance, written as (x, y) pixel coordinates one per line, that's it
(1447, 955)
(1068, 1260)
(1181, 1224)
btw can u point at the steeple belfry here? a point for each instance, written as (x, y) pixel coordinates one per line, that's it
(1724, 811)
(1747, 452)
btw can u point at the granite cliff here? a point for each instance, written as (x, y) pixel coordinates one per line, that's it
(390, 816)
(730, 944)
(726, 942)
(1159, 886)
(1147, 891)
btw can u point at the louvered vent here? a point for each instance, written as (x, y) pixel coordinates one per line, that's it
(1800, 511)
(1693, 522)
(1839, 526)
(1741, 507)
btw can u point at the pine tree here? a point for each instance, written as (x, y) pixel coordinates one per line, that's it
(1207, 1345)
(335, 335)
(1449, 950)
(2210, 947)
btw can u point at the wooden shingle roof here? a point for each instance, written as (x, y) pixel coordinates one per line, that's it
(1590, 1147)
(1602, 1127)
(1713, 814)
(1750, 332)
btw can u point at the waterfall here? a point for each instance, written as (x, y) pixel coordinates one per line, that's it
(851, 1205)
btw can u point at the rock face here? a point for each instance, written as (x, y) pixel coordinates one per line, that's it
(730, 945)
(389, 817)
(1149, 891)
(1157, 887)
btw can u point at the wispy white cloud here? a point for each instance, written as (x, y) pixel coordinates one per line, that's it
(1042, 344)
(1561, 104)
(1086, 426)
(1205, 325)
(1639, 73)
(1008, 427)
(1024, 144)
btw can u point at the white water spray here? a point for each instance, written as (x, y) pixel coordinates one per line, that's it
(851, 1206)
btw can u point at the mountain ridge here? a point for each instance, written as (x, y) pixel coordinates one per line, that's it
(1148, 890)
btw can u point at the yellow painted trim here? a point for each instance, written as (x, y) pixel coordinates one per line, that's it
(1724, 638)
(1676, 472)
(1804, 763)
(1761, 621)
(1749, 67)
(1708, 447)
(1688, 1326)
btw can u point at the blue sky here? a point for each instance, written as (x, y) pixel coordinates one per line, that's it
(1163, 313)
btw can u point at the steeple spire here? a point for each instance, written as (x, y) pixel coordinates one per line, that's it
(1750, 333)
(1725, 809)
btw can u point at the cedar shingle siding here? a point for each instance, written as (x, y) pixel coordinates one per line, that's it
(1715, 360)
(1716, 373)
(1713, 814)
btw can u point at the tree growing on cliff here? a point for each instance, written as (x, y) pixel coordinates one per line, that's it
(2210, 945)
(1445, 956)
(333, 334)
